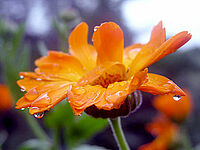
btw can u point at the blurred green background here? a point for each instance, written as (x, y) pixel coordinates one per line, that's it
(28, 29)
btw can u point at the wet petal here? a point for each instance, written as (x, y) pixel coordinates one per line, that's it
(160, 85)
(44, 97)
(108, 40)
(117, 92)
(27, 83)
(59, 65)
(104, 75)
(81, 97)
(79, 47)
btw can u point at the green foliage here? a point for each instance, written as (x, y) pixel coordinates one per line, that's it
(76, 128)
(34, 144)
(14, 55)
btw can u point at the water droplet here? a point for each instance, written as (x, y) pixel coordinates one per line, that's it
(21, 77)
(39, 115)
(22, 90)
(22, 109)
(176, 97)
(38, 79)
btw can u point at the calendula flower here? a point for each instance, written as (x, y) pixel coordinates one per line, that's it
(164, 130)
(101, 75)
(6, 100)
(176, 110)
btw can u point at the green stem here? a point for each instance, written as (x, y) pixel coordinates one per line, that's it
(118, 133)
(38, 131)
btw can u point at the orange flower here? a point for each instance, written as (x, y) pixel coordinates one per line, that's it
(6, 100)
(176, 110)
(102, 75)
(165, 131)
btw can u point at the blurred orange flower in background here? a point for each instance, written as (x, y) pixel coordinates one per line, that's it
(102, 75)
(176, 110)
(6, 100)
(172, 109)
(164, 129)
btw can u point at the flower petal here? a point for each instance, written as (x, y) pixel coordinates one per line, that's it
(130, 53)
(80, 48)
(81, 97)
(170, 46)
(59, 65)
(155, 49)
(108, 40)
(104, 75)
(160, 85)
(44, 97)
(6, 100)
(117, 92)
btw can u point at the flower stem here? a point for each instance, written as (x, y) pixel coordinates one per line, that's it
(118, 133)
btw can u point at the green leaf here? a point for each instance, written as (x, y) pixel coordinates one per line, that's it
(77, 129)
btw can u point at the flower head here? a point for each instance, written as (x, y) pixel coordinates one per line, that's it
(164, 130)
(6, 100)
(176, 110)
(101, 75)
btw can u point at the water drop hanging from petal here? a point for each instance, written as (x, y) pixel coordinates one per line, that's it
(176, 97)
(39, 115)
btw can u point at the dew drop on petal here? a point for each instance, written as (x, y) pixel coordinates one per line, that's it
(22, 90)
(21, 77)
(176, 97)
(39, 115)
(22, 109)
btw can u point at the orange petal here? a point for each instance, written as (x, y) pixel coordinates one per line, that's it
(117, 92)
(130, 53)
(6, 100)
(80, 48)
(171, 46)
(157, 38)
(44, 97)
(104, 75)
(160, 85)
(23, 103)
(27, 84)
(155, 49)
(59, 65)
(108, 40)
(80, 98)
